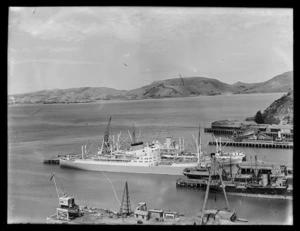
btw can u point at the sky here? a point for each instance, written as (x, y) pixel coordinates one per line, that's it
(129, 47)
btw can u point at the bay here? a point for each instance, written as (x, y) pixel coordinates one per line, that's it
(38, 131)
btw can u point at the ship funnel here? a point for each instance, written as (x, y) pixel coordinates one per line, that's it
(265, 179)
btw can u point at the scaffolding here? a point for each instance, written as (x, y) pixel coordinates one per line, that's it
(125, 205)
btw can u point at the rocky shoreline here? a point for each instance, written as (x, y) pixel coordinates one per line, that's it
(281, 111)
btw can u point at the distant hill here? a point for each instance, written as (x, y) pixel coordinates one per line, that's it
(169, 88)
(281, 111)
(280, 83)
(190, 86)
(71, 95)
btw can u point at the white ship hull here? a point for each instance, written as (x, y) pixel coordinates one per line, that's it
(91, 165)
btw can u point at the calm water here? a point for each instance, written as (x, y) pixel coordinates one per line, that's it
(38, 131)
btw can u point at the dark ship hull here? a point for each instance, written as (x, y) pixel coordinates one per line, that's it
(259, 190)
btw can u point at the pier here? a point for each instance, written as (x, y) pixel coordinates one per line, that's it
(55, 159)
(240, 132)
(51, 161)
(256, 144)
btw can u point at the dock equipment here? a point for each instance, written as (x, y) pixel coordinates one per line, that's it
(68, 209)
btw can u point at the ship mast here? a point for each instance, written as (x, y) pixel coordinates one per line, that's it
(199, 145)
(230, 168)
(133, 133)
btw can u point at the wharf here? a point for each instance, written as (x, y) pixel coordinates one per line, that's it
(256, 144)
(92, 215)
(51, 161)
(240, 132)
(55, 159)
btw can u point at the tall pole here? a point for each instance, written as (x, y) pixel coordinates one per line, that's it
(206, 194)
(179, 144)
(230, 168)
(199, 144)
(217, 144)
(82, 151)
(223, 187)
(133, 133)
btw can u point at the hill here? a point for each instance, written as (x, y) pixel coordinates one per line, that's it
(280, 83)
(190, 86)
(71, 95)
(169, 88)
(281, 111)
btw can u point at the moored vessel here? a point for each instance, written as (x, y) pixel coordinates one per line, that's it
(139, 158)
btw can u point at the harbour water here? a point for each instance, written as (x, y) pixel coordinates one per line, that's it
(38, 131)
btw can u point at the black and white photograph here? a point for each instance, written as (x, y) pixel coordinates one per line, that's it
(150, 116)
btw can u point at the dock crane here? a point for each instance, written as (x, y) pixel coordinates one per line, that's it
(106, 145)
(67, 209)
(213, 216)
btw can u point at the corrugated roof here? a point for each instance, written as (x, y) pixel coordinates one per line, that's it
(155, 210)
(223, 122)
(248, 123)
(278, 126)
(227, 125)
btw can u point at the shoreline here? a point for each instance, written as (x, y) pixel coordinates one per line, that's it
(143, 99)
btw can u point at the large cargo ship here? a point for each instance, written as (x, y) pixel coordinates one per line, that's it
(152, 159)
(139, 159)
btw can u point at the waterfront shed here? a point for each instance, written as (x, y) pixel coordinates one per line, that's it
(262, 127)
(144, 215)
(226, 124)
(281, 128)
(249, 125)
(156, 213)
